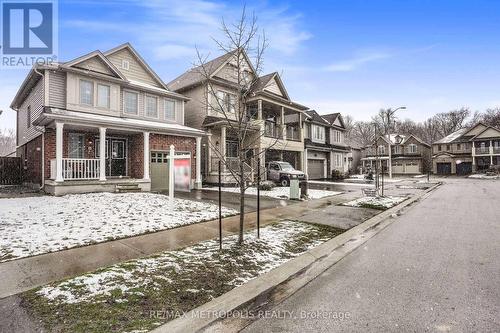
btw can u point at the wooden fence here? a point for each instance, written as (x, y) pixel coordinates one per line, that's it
(11, 170)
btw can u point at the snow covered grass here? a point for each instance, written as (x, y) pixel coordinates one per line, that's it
(122, 297)
(381, 203)
(277, 192)
(483, 176)
(35, 225)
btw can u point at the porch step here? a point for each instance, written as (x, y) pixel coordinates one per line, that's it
(125, 188)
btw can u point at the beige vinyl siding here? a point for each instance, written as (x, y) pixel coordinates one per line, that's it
(195, 110)
(35, 101)
(273, 88)
(96, 65)
(136, 71)
(57, 89)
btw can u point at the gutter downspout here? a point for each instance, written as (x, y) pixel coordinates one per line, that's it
(42, 130)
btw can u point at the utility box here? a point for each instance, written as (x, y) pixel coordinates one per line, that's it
(294, 189)
(304, 187)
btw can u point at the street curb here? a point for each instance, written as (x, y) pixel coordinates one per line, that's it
(322, 256)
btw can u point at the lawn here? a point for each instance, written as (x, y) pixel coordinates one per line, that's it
(379, 202)
(277, 192)
(36, 225)
(122, 297)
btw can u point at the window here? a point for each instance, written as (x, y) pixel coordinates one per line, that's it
(130, 100)
(336, 136)
(458, 146)
(28, 117)
(103, 93)
(97, 148)
(381, 150)
(125, 64)
(151, 106)
(232, 148)
(318, 133)
(338, 160)
(412, 148)
(169, 109)
(397, 149)
(439, 148)
(225, 102)
(448, 147)
(86, 92)
(75, 145)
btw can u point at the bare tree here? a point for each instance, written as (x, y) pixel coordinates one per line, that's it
(246, 44)
(7, 141)
(449, 122)
(363, 133)
(491, 117)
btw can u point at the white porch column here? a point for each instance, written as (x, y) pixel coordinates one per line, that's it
(146, 156)
(59, 152)
(282, 118)
(197, 185)
(301, 128)
(304, 161)
(491, 152)
(332, 165)
(102, 153)
(259, 109)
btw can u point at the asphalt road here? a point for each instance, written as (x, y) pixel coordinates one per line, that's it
(436, 269)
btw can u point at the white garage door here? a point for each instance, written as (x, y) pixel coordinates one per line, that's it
(397, 168)
(316, 169)
(411, 168)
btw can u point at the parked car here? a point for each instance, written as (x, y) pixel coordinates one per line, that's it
(281, 172)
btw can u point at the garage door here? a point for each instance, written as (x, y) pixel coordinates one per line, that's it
(411, 168)
(316, 169)
(159, 171)
(443, 168)
(464, 168)
(397, 168)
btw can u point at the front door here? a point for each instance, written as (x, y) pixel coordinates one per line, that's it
(116, 157)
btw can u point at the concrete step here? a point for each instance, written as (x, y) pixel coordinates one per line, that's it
(122, 188)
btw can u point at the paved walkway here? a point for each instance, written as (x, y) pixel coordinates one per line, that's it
(26, 273)
(436, 269)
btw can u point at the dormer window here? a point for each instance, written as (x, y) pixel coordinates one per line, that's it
(318, 133)
(125, 64)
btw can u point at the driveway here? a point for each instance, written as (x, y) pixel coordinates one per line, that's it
(436, 269)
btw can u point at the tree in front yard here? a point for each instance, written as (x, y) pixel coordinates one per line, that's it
(245, 44)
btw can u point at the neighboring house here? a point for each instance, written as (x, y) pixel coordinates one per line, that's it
(101, 122)
(467, 150)
(275, 118)
(325, 148)
(353, 158)
(409, 154)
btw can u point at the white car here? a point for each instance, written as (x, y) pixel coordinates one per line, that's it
(281, 173)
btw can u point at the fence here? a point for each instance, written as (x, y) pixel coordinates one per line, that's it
(11, 171)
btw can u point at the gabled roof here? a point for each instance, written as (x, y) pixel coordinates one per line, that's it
(487, 129)
(316, 118)
(332, 117)
(97, 54)
(129, 47)
(262, 82)
(416, 138)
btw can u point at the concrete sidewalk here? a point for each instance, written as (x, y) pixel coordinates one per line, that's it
(26, 273)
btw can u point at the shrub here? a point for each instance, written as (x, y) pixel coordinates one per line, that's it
(266, 185)
(337, 175)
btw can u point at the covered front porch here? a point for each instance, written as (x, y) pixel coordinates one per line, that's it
(82, 157)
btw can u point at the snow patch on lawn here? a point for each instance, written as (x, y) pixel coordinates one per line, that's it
(36, 225)
(376, 202)
(482, 176)
(124, 280)
(276, 192)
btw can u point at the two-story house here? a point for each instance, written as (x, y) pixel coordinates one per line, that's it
(102, 122)
(467, 150)
(324, 143)
(409, 154)
(274, 116)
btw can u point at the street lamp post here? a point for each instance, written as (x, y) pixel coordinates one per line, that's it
(389, 114)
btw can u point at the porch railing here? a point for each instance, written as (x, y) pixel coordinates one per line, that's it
(292, 133)
(76, 168)
(482, 150)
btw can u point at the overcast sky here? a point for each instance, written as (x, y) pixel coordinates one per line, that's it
(349, 56)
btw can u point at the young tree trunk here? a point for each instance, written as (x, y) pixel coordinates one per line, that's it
(242, 202)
